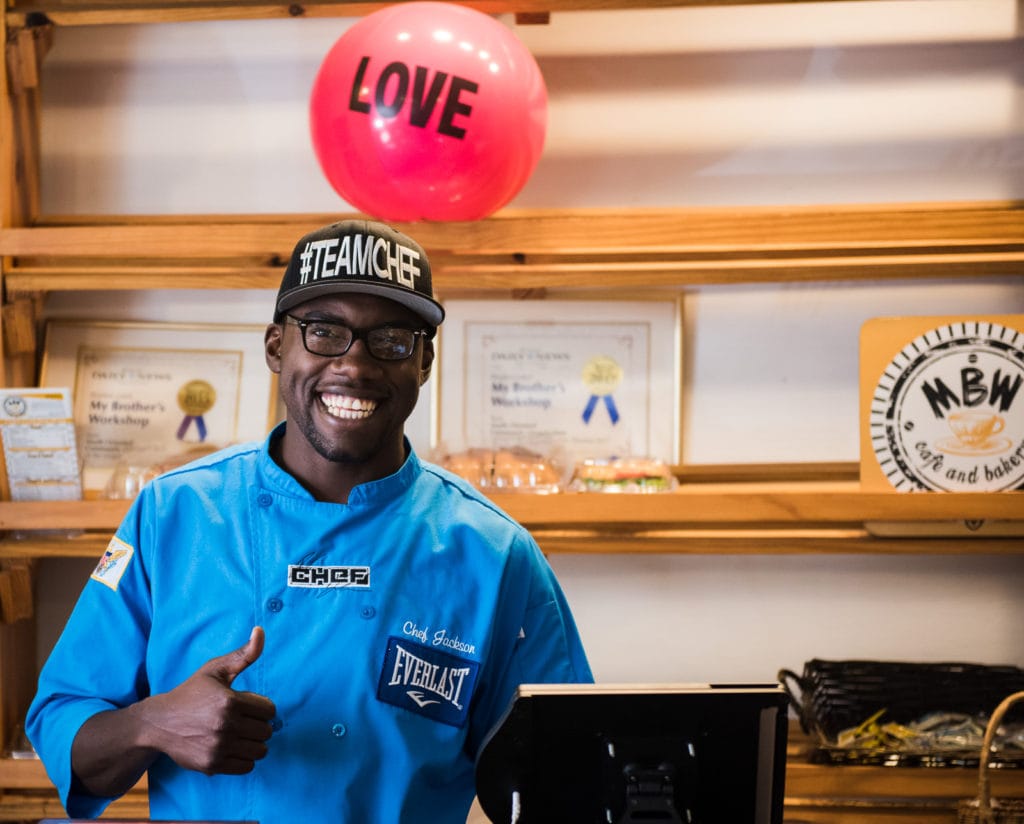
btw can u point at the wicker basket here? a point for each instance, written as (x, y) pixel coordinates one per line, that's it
(984, 809)
(831, 696)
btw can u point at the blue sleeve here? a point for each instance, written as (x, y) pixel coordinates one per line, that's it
(97, 663)
(536, 638)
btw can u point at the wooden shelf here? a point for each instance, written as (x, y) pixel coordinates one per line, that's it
(528, 252)
(708, 505)
(641, 542)
(709, 518)
(802, 779)
(808, 781)
(866, 793)
(756, 504)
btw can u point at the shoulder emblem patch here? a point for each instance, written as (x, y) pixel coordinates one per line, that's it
(426, 681)
(113, 563)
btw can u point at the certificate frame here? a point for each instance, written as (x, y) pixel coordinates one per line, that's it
(653, 401)
(130, 377)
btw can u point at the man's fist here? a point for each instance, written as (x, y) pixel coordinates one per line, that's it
(205, 725)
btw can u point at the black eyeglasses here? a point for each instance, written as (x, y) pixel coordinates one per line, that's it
(331, 340)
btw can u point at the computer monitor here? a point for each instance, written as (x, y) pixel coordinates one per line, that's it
(619, 754)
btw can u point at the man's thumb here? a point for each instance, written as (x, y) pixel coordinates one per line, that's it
(228, 667)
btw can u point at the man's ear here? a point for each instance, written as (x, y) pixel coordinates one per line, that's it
(427, 361)
(272, 346)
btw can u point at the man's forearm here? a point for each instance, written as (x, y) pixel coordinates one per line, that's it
(107, 756)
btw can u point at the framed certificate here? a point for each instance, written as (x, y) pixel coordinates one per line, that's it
(565, 378)
(144, 392)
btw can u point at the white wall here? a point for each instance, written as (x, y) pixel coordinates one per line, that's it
(801, 103)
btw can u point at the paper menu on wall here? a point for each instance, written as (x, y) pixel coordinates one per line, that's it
(37, 437)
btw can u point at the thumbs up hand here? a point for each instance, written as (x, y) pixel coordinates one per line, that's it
(205, 725)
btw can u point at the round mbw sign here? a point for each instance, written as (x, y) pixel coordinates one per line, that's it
(948, 411)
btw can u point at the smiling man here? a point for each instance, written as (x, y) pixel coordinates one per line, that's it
(390, 609)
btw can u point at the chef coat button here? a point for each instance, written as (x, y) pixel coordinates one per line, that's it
(275, 604)
(367, 612)
(338, 730)
(276, 724)
(264, 499)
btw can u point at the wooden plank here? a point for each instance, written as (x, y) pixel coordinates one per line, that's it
(753, 504)
(82, 545)
(94, 12)
(913, 227)
(762, 542)
(796, 471)
(17, 681)
(807, 785)
(676, 542)
(800, 811)
(808, 505)
(33, 806)
(8, 190)
(810, 781)
(532, 251)
(19, 177)
(32, 279)
(19, 330)
(22, 56)
(23, 774)
(68, 515)
(16, 602)
(29, 774)
(450, 278)
(675, 273)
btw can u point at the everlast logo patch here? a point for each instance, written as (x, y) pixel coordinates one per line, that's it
(427, 682)
(348, 577)
(359, 255)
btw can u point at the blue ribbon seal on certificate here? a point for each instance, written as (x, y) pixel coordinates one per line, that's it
(195, 399)
(609, 402)
(601, 375)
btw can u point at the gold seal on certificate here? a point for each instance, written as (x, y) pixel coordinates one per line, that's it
(195, 399)
(601, 376)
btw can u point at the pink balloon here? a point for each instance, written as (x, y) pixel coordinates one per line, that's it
(428, 111)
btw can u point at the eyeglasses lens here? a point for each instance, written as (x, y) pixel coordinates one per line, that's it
(333, 340)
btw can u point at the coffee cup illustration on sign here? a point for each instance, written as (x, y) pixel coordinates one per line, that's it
(974, 429)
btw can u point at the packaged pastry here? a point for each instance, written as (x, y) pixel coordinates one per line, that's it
(630, 475)
(514, 469)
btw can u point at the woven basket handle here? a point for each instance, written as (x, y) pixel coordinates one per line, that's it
(787, 678)
(984, 791)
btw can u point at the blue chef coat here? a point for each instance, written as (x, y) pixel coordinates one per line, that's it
(398, 626)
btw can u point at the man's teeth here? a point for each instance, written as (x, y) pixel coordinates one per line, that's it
(342, 406)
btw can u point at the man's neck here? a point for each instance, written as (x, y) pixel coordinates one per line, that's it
(333, 481)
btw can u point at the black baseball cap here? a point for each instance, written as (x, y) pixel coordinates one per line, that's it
(360, 256)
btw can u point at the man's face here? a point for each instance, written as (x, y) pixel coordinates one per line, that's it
(352, 408)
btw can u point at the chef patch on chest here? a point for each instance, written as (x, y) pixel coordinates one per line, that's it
(426, 681)
(328, 577)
